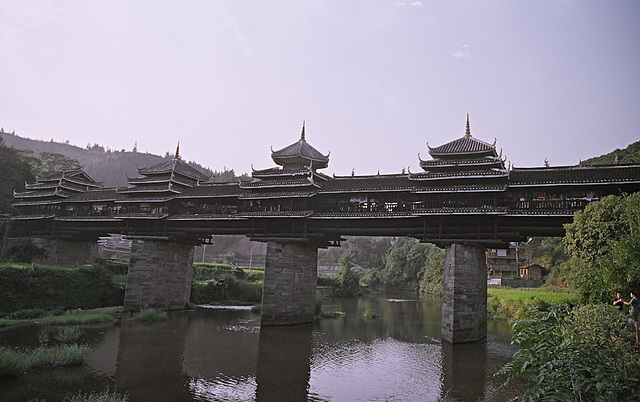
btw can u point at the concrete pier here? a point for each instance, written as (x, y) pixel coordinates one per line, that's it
(464, 298)
(289, 288)
(159, 275)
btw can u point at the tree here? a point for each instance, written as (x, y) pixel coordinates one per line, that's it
(404, 264)
(606, 237)
(433, 273)
(348, 279)
(15, 172)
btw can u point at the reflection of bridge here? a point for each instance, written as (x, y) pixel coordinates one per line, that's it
(465, 199)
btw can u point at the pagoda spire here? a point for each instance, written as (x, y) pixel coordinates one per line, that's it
(177, 151)
(467, 133)
(302, 135)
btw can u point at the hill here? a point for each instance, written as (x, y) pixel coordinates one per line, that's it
(108, 167)
(630, 154)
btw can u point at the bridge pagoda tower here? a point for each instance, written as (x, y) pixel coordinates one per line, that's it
(474, 165)
(291, 267)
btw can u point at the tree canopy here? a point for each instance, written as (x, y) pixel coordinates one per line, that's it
(15, 172)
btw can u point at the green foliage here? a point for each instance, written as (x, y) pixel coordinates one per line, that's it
(606, 237)
(37, 287)
(222, 284)
(433, 273)
(347, 278)
(77, 319)
(583, 354)
(15, 172)
(25, 252)
(544, 251)
(15, 362)
(630, 154)
(519, 304)
(149, 315)
(405, 263)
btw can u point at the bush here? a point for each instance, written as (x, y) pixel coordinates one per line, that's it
(16, 362)
(582, 354)
(148, 315)
(45, 288)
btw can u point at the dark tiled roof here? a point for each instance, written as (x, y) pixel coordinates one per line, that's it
(98, 195)
(466, 145)
(579, 175)
(367, 183)
(458, 174)
(173, 165)
(215, 190)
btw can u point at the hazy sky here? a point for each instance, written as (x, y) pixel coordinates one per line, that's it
(375, 80)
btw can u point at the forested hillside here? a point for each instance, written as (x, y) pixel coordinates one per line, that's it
(106, 166)
(630, 154)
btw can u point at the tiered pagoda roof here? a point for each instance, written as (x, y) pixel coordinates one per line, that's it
(299, 163)
(464, 158)
(164, 180)
(55, 187)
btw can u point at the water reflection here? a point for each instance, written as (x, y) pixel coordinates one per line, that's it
(283, 363)
(222, 355)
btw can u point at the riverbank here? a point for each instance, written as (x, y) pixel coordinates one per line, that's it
(517, 304)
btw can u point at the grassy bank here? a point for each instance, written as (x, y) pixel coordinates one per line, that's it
(516, 304)
(15, 362)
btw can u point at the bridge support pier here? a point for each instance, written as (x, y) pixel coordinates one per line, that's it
(464, 298)
(159, 275)
(289, 287)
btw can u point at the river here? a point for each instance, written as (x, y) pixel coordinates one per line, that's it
(216, 354)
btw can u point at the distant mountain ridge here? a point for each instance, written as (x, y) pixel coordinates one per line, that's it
(111, 168)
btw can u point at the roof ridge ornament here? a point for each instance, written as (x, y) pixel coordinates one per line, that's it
(302, 136)
(467, 132)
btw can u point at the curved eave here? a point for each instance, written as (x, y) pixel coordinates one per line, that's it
(144, 191)
(362, 215)
(142, 216)
(432, 177)
(144, 200)
(570, 183)
(276, 195)
(31, 217)
(277, 185)
(207, 217)
(87, 219)
(367, 190)
(28, 203)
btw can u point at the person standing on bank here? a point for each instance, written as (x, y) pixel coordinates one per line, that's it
(619, 301)
(633, 307)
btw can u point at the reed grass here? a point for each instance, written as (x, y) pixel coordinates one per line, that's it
(14, 362)
(77, 318)
(518, 304)
(149, 314)
(104, 396)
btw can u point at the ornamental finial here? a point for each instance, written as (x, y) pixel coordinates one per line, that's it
(302, 135)
(177, 151)
(468, 131)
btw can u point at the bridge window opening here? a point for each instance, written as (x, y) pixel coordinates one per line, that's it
(390, 206)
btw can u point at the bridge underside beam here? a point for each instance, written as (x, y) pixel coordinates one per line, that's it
(289, 287)
(159, 275)
(464, 299)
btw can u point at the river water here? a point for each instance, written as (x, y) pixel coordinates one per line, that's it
(215, 354)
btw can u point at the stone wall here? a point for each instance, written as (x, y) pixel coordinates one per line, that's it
(289, 287)
(159, 275)
(464, 299)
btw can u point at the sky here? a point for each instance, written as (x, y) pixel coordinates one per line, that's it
(373, 81)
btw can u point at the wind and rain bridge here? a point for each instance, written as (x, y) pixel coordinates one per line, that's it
(464, 199)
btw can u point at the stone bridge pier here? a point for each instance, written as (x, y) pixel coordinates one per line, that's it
(289, 287)
(159, 275)
(464, 294)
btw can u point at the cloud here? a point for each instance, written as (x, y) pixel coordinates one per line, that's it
(462, 53)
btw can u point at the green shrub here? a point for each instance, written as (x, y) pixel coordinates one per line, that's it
(51, 288)
(15, 362)
(149, 314)
(582, 354)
